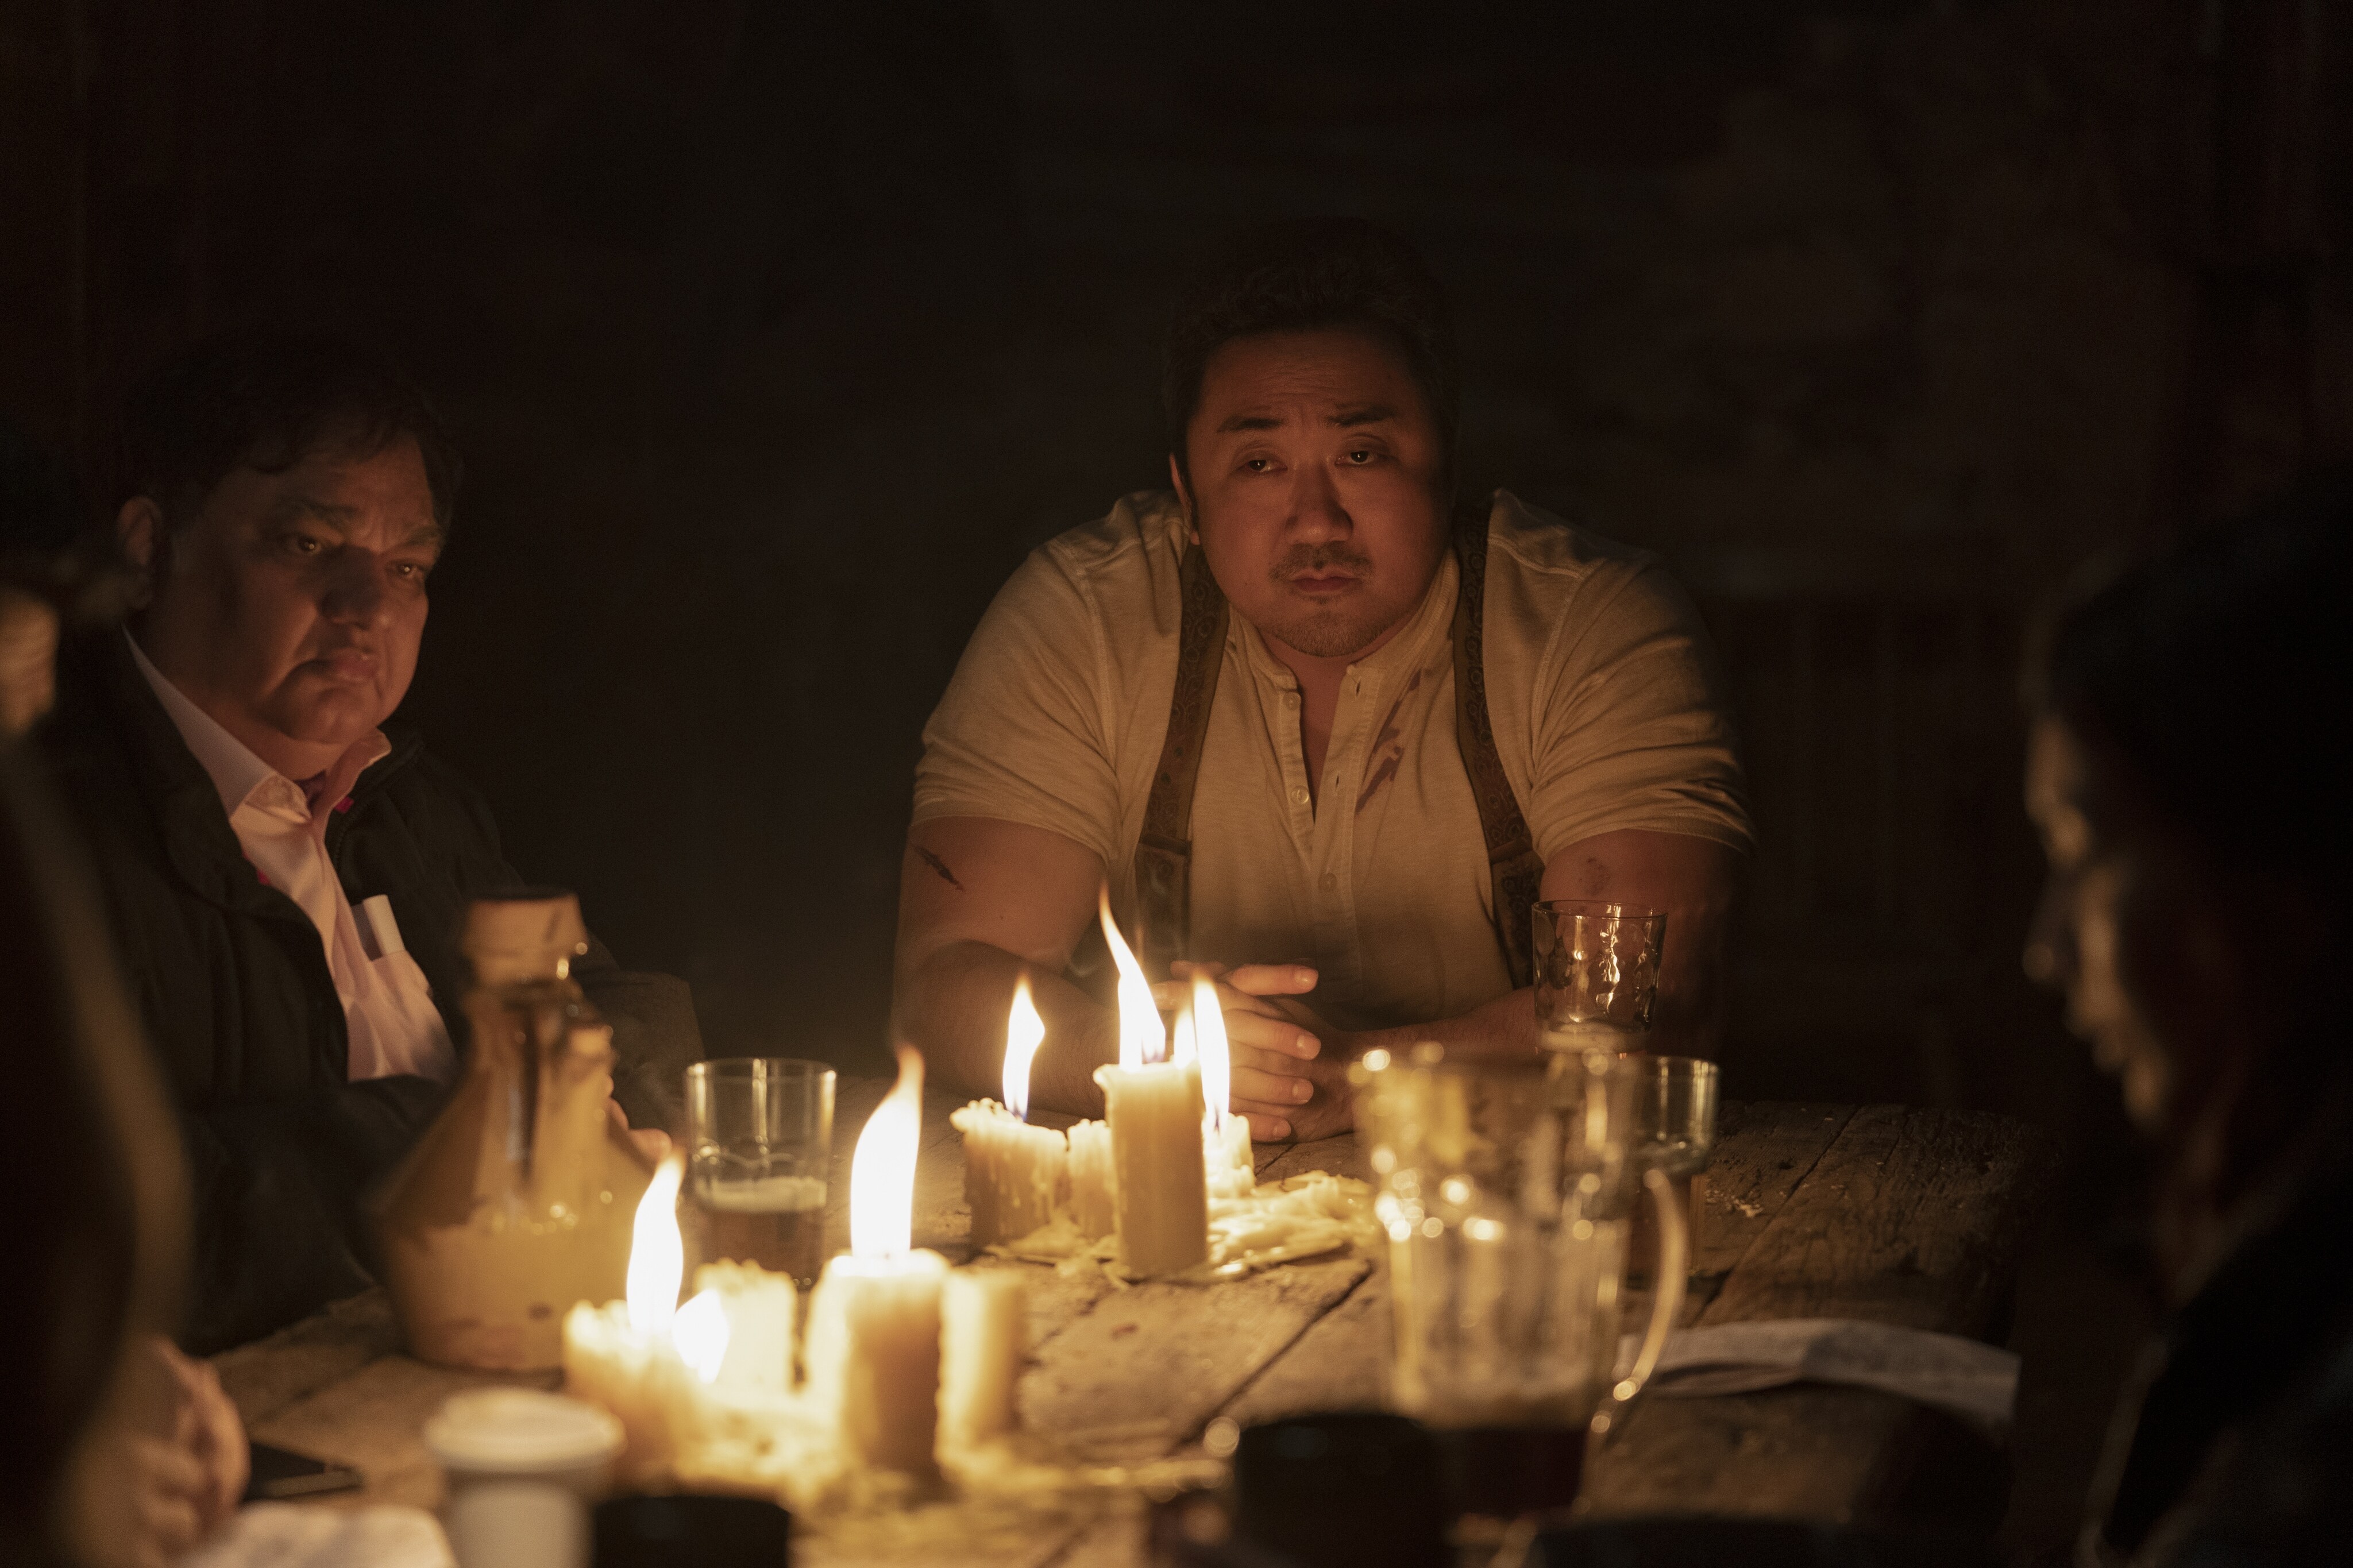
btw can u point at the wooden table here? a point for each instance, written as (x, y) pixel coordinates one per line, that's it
(1901, 1215)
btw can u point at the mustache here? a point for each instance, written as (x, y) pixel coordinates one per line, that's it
(1306, 560)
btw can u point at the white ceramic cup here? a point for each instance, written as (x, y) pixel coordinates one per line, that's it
(523, 1468)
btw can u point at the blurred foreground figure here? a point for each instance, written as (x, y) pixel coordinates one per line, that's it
(1319, 728)
(122, 1451)
(2190, 775)
(286, 871)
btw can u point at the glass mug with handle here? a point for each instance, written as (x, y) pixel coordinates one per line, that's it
(1597, 973)
(1507, 1192)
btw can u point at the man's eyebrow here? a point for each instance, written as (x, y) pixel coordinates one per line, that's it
(1249, 421)
(1370, 414)
(333, 516)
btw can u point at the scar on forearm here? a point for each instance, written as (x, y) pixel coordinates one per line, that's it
(937, 864)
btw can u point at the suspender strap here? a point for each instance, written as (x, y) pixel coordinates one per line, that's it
(1164, 855)
(1514, 871)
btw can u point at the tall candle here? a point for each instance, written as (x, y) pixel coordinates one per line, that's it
(873, 1349)
(1153, 1107)
(1014, 1175)
(984, 1329)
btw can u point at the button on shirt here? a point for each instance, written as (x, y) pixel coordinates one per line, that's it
(387, 1002)
(1601, 689)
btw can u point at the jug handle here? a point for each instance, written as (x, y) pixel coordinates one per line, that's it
(1666, 1302)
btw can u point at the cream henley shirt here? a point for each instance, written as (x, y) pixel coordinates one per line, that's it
(1601, 690)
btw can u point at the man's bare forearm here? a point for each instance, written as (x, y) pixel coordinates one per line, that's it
(1493, 1031)
(953, 1008)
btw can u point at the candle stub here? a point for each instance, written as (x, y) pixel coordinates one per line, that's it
(984, 1329)
(1094, 1180)
(1014, 1175)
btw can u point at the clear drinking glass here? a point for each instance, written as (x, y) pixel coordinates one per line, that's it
(1675, 1107)
(1597, 973)
(1507, 1192)
(760, 1144)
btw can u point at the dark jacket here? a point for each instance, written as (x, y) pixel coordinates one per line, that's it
(233, 984)
(2242, 1452)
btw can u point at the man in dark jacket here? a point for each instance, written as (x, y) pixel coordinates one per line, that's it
(287, 873)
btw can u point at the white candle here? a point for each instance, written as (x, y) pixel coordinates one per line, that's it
(648, 1360)
(1094, 1180)
(760, 1307)
(1014, 1175)
(1225, 1137)
(1153, 1107)
(983, 1322)
(873, 1350)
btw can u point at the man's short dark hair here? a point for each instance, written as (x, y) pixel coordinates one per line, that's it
(1300, 276)
(266, 401)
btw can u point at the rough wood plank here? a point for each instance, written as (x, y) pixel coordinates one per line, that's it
(373, 1420)
(1762, 1153)
(266, 1376)
(1911, 1217)
(1149, 1365)
(1341, 1363)
(1339, 1156)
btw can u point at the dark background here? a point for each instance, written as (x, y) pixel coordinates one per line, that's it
(775, 334)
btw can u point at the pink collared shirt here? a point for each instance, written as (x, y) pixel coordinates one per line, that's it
(387, 1001)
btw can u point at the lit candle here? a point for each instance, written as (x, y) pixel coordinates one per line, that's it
(1013, 1174)
(873, 1350)
(984, 1329)
(1225, 1137)
(647, 1359)
(1153, 1107)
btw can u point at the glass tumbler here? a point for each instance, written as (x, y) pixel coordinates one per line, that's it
(1507, 1193)
(1597, 973)
(759, 1148)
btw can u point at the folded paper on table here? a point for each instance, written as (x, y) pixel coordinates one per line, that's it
(1972, 1382)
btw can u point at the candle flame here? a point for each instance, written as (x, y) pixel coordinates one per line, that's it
(701, 1334)
(882, 1170)
(657, 1252)
(1024, 1032)
(1142, 1036)
(1209, 1040)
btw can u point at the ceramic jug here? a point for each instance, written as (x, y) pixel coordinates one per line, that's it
(518, 1199)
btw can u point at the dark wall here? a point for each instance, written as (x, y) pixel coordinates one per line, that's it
(776, 334)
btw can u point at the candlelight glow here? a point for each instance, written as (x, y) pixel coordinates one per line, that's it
(700, 1333)
(657, 1252)
(1209, 1040)
(882, 1170)
(1025, 1031)
(1142, 1037)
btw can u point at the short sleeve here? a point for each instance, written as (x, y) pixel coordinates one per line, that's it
(1021, 735)
(1630, 729)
